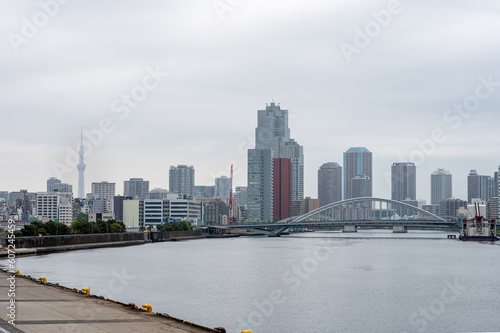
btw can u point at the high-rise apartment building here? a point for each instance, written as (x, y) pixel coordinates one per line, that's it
(403, 181)
(260, 185)
(181, 179)
(106, 191)
(441, 186)
(282, 188)
(357, 162)
(222, 187)
(480, 186)
(136, 188)
(329, 183)
(496, 180)
(273, 133)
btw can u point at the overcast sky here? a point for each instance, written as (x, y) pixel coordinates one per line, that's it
(347, 80)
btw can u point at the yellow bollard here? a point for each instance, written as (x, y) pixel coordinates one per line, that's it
(43, 279)
(246, 331)
(147, 308)
(17, 272)
(86, 291)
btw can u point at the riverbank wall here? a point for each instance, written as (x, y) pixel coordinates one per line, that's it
(69, 240)
(49, 244)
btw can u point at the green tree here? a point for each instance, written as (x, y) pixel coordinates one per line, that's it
(187, 225)
(85, 227)
(42, 232)
(32, 229)
(117, 228)
(29, 230)
(175, 226)
(55, 228)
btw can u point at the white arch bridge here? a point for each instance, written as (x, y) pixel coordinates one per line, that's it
(356, 212)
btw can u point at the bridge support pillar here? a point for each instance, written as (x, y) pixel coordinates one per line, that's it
(349, 228)
(399, 229)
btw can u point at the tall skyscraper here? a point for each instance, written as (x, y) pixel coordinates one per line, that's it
(260, 185)
(480, 186)
(81, 169)
(496, 181)
(472, 186)
(136, 188)
(272, 132)
(357, 162)
(106, 191)
(282, 188)
(329, 183)
(404, 181)
(441, 186)
(222, 187)
(181, 179)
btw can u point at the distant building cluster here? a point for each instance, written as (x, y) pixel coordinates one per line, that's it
(274, 191)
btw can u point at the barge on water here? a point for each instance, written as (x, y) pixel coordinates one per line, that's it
(478, 228)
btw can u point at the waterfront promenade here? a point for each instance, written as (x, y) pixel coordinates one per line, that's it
(48, 308)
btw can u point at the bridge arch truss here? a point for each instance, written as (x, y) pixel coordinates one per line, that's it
(367, 209)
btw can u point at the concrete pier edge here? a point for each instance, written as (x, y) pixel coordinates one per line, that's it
(127, 305)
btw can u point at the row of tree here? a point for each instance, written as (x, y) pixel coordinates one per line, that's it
(175, 226)
(52, 228)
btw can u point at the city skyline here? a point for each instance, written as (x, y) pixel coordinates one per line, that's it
(314, 195)
(416, 106)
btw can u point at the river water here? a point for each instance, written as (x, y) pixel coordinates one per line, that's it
(371, 281)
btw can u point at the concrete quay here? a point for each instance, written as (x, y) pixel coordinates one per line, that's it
(46, 307)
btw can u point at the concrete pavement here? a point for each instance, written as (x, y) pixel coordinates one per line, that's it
(44, 308)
